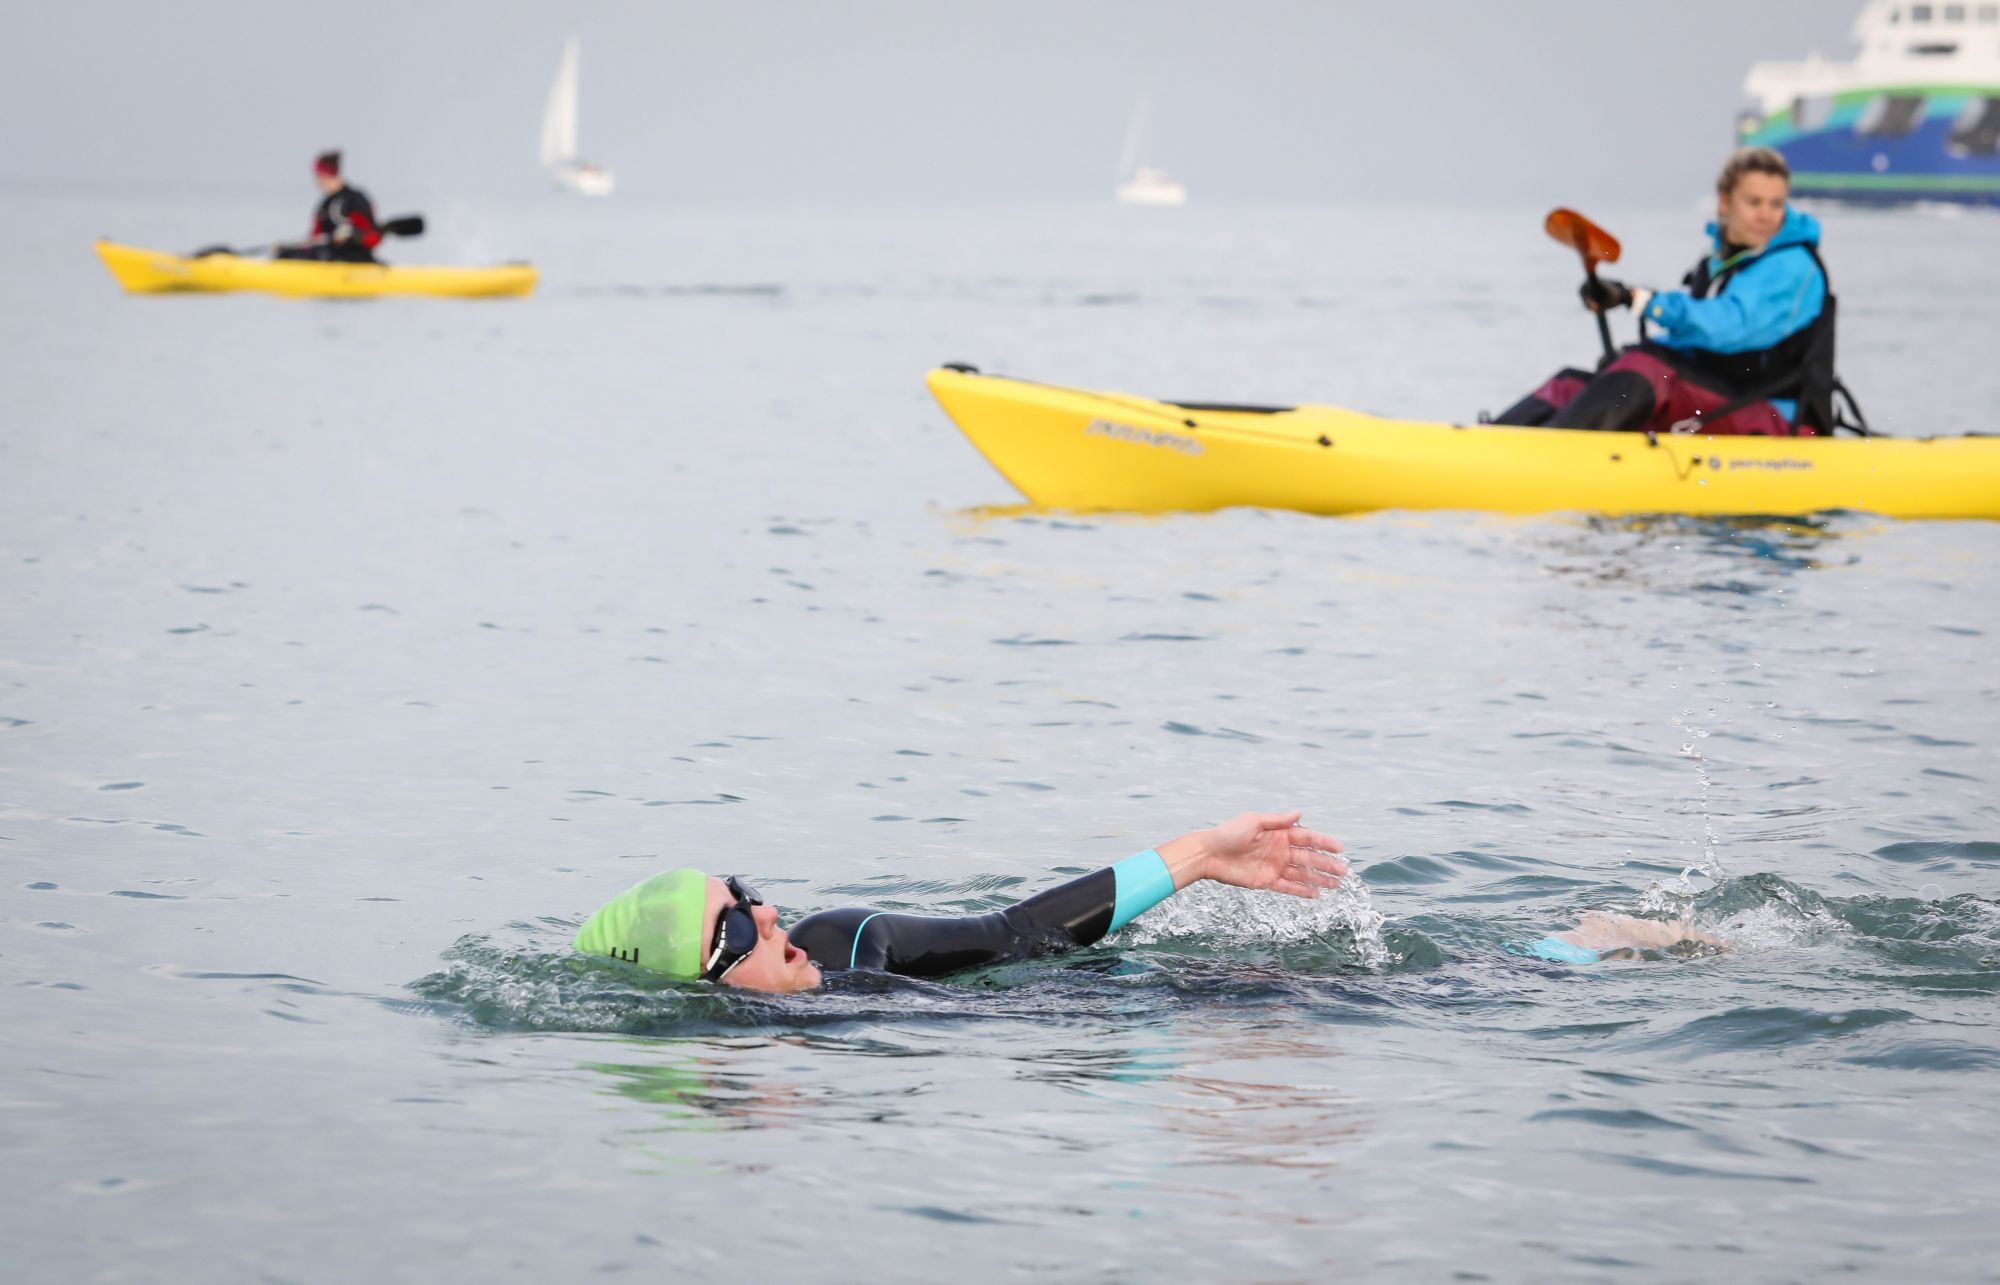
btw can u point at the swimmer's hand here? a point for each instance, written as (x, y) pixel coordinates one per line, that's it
(1601, 930)
(1258, 850)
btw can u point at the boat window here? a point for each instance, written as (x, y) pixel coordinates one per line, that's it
(1934, 51)
(1920, 13)
(1989, 13)
(1895, 16)
(1976, 132)
(1811, 113)
(1891, 116)
(1954, 13)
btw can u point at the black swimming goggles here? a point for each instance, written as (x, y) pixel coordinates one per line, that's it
(735, 931)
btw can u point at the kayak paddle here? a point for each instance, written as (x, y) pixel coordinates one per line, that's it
(1594, 245)
(402, 225)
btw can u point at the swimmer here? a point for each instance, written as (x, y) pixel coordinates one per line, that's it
(690, 925)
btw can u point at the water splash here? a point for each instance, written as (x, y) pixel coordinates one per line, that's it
(1763, 912)
(490, 984)
(1709, 866)
(1343, 918)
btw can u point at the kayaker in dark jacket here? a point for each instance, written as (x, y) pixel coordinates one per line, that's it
(1734, 351)
(344, 227)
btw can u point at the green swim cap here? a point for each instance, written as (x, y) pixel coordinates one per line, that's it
(657, 924)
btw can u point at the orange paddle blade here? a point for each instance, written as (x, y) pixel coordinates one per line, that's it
(1581, 235)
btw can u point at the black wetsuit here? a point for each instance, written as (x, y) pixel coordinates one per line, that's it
(344, 230)
(1077, 913)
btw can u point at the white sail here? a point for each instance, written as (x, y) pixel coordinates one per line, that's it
(559, 155)
(1140, 184)
(559, 118)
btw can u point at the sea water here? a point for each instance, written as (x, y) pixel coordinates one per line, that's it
(352, 652)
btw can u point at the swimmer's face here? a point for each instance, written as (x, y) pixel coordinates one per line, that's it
(774, 964)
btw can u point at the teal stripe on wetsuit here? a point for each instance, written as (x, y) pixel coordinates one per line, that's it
(1143, 882)
(855, 950)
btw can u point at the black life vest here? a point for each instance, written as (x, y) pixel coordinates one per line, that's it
(349, 208)
(1799, 366)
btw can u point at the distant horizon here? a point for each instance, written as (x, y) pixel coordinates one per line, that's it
(288, 196)
(898, 102)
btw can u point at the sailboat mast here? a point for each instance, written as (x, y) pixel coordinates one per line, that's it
(1135, 134)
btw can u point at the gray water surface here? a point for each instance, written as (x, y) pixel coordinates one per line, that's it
(352, 653)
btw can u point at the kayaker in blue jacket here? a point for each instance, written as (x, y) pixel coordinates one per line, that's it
(1744, 347)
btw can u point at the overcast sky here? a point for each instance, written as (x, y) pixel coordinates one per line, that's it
(1253, 101)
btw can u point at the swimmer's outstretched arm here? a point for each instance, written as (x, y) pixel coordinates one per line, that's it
(1603, 934)
(1258, 850)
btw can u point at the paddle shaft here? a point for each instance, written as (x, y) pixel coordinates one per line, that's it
(402, 225)
(236, 251)
(1603, 322)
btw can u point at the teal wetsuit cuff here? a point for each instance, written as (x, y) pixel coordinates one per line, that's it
(1143, 882)
(1558, 951)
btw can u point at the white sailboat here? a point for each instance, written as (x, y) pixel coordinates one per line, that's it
(1138, 183)
(559, 133)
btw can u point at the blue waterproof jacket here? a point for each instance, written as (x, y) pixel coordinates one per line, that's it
(1769, 297)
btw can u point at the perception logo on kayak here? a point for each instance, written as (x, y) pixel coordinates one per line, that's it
(1776, 466)
(1143, 436)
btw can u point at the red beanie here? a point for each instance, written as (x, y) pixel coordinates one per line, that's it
(327, 163)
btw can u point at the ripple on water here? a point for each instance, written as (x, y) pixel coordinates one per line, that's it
(1521, 888)
(1931, 1055)
(1220, 733)
(1612, 1118)
(1782, 1026)
(1942, 854)
(1410, 870)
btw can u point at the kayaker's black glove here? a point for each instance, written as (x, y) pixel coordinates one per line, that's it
(1602, 294)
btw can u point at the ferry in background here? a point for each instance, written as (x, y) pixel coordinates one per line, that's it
(1914, 117)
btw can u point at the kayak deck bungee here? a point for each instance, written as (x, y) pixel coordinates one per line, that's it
(1068, 448)
(143, 271)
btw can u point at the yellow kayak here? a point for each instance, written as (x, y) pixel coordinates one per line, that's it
(154, 272)
(1067, 448)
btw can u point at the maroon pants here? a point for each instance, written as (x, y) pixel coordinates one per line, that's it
(1641, 391)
